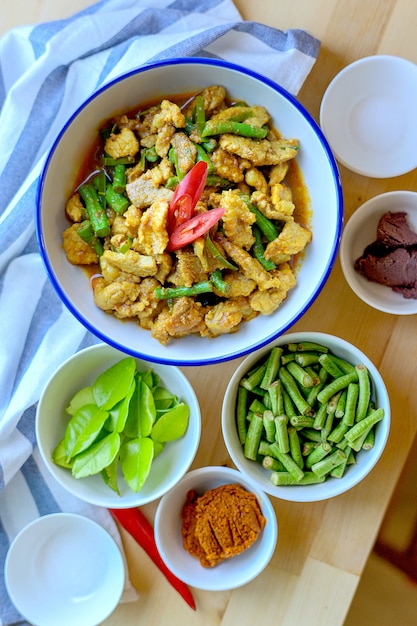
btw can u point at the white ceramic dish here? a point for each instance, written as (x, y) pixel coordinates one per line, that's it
(167, 468)
(359, 232)
(231, 573)
(315, 159)
(368, 116)
(331, 487)
(64, 569)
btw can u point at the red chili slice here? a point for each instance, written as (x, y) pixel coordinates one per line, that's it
(192, 229)
(187, 195)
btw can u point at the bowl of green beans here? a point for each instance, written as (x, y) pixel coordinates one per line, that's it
(307, 417)
(116, 431)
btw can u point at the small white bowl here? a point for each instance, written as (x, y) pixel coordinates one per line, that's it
(331, 487)
(359, 232)
(79, 371)
(231, 573)
(368, 116)
(64, 569)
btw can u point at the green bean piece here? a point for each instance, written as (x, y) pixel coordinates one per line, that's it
(218, 181)
(264, 448)
(333, 402)
(314, 375)
(111, 162)
(326, 465)
(357, 444)
(369, 442)
(253, 437)
(119, 178)
(288, 462)
(311, 434)
(341, 405)
(351, 402)
(272, 366)
(289, 408)
(172, 182)
(281, 433)
(199, 114)
(257, 407)
(241, 413)
(96, 214)
(220, 127)
(258, 250)
(295, 446)
(281, 479)
(276, 398)
(85, 231)
(337, 384)
(269, 463)
(268, 228)
(355, 431)
(293, 391)
(328, 425)
(314, 391)
(306, 358)
(364, 392)
(174, 158)
(302, 421)
(338, 432)
(215, 253)
(255, 377)
(317, 454)
(339, 470)
(287, 358)
(209, 144)
(203, 156)
(269, 426)
(307, 346)
(100, 183)
(327, 362)
(117, 201)
(320, 417)
(218, 282)
(166, 293)
(299, 373)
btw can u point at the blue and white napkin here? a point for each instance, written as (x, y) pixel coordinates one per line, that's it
(46, 72)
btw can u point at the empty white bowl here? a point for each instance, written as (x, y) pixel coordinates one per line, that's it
(231, 573)
(359, 232)
(79, 371)
(331, 487)
(64, 569)
(368, 116)
(180, 76)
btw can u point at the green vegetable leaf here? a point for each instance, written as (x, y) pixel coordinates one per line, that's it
(113, 384)
(163, 398)
(82, 397)
(118, 414)
(171, 425)
(142, 412)
(83, 428)
(60, 457)
(98, 456)
(109, 475)
(136, 458)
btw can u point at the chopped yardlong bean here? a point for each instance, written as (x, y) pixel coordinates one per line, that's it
(371, 419)
(351, 402)
(293, 391)
(300, 374)
(295, 446)
(281, 433)
(276, 397)
(288, 462)
(364, 392)
(336, 385)
(326, 465)
(280, 479)
(241, 413)
(269, 426)
(221, 127)
(272, 366)
(253, 437)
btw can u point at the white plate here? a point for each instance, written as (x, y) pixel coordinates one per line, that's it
(368, 116)
(64, 569)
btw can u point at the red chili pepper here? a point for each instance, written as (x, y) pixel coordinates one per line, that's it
(193, 228)
(137, 525)
(186, 195)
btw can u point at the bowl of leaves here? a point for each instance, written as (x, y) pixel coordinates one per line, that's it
(117, 431)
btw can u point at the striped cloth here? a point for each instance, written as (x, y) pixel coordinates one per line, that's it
(46, 72)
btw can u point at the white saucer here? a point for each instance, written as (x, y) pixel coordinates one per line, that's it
(368, 115)
(64, 569)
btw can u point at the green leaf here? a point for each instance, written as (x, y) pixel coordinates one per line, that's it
(142, 411)
(163, 398)
(172, 425)
(82, 397)
(96, 457)
(109, 475)
(157, 448)
(118, 414)
(136, 458)
(60, 457)
(83, 428)
(113, 384)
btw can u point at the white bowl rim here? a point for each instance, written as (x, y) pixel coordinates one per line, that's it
(227, 474)
(199, 360)
(397, 304)
(311, 493)
(336, 83)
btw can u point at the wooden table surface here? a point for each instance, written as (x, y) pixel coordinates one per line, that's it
(322, 547)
